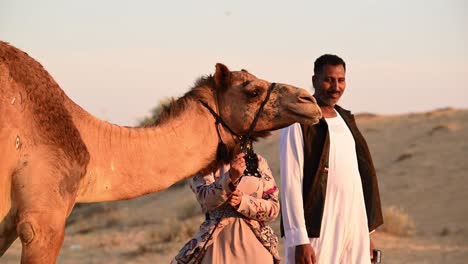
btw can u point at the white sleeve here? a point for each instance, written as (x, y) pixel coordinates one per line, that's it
(291, 168)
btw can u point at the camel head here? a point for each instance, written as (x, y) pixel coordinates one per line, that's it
(240, 94)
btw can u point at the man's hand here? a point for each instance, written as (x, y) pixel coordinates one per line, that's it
(371, 244)
(237, 167)
(305, 254)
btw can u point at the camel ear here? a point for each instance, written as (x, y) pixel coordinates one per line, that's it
(222, 76)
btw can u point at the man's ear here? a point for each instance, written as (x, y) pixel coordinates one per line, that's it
(222, 76)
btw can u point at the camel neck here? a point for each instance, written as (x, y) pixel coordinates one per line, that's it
(130, 162)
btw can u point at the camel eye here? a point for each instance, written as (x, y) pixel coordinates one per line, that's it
(252, 93)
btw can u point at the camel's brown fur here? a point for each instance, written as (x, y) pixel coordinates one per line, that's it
(55, 154)
(46, 99)
(199, 91)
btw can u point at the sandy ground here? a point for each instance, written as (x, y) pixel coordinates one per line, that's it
(422, 168)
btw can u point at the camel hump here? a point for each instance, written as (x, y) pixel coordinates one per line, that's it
(43, 102)
(24, 69)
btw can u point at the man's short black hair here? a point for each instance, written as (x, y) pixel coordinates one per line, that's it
(327, 59)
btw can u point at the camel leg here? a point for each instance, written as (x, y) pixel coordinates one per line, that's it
(44, 201)
(41, 235)
(6, 241)
(7, 237)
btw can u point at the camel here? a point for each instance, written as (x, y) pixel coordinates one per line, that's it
(55, 154)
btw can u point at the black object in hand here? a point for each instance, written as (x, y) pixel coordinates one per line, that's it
(251, 162)
(376, 256)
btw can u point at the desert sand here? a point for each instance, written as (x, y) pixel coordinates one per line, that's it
(422, 166)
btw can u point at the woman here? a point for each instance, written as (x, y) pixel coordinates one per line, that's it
(236, 208)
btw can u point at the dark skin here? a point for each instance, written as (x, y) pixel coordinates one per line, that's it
(329, 84)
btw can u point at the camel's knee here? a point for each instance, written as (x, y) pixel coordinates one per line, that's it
(26, 232)
(41, 228)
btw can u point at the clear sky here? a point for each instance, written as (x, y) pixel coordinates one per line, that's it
(118, 59)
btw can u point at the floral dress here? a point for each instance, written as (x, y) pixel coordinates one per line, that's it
(259, 204)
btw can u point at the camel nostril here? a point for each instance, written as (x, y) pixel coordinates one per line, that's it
(307, 99)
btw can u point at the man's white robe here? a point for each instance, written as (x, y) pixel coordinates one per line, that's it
(344, 234)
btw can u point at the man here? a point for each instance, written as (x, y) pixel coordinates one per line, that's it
(329, 193)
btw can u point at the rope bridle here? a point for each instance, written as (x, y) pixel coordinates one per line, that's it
(244, 139)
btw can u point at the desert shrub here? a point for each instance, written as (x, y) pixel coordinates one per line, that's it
(189, 228)
(176, 231)
(371, 130)
(397, 222)
(189, 210)
(172, 232)
(155, 112)
(404, 156)
(443, 127)
(179, 184)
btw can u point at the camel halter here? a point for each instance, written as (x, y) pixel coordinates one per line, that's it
(245, 139)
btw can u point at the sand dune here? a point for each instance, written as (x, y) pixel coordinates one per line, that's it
(422, 165)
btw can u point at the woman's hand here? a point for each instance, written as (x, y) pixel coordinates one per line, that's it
(236, 198)
(237, 167)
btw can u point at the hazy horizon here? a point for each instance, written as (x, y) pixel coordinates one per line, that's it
(118, 59)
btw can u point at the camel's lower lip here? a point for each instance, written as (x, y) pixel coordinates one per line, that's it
(311, 121)
(305, 114)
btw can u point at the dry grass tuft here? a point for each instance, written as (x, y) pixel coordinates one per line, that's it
(177, 231)
(441, 112)
(443, 127)
(404, 156)
(371, 130)
(189, 210)
(397, 222)
(365, 115)
(172, 234)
